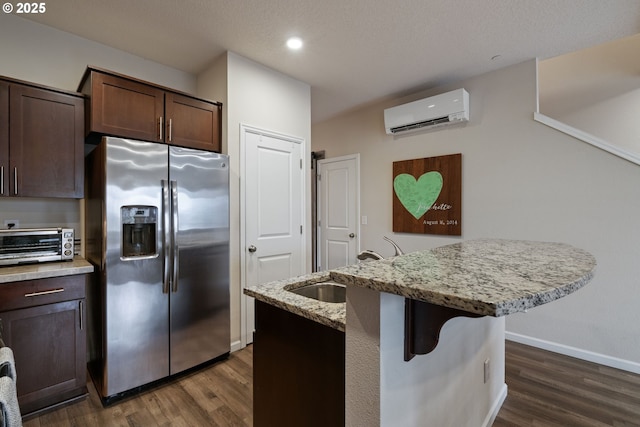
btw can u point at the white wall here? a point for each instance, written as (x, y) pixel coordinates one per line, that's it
(445, 387)
(33, 52)
(611, 124)
(521, 180)
(260, 97)
(36, 212)
(596, 90)
(614, 120)
(362, 357)
(41, 54)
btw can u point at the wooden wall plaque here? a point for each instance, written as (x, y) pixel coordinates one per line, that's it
(427, 195)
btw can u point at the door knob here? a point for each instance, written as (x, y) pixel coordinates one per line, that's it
(352, 235)
(252, 249)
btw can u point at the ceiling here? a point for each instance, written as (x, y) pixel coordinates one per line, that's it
(356, 51)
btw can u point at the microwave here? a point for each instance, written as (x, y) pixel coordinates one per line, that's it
(34, 245)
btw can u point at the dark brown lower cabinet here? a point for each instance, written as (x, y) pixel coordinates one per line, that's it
(43, 323)
(298, 371)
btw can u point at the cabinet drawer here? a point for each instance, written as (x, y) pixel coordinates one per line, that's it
(30, 293)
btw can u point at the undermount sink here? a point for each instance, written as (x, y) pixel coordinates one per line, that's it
(325, 292)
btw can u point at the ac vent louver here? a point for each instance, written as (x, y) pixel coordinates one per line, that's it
(417, 126)
(437, 111)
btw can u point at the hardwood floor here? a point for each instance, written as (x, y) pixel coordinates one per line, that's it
(219, 395)
(548, 389)
(545, 390)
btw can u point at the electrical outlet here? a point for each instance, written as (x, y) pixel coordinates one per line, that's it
(487, 370)
(11, 223)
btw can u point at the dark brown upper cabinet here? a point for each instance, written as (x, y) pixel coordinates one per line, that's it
(41, 141)
(125, 108)
(129, 108)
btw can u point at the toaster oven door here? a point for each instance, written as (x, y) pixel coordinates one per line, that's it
(30, 246)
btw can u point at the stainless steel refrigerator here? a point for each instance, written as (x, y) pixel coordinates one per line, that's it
(157, 232)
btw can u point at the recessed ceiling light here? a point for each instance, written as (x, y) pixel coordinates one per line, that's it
(294, 43)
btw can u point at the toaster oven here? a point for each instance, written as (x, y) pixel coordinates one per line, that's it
(33, 245)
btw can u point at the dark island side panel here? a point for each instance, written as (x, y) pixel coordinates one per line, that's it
(299, 370)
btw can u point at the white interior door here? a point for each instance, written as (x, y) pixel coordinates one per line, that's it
(338, 211)
(273, 211)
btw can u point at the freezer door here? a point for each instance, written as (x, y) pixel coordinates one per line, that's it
(136, 336)
(199, 298)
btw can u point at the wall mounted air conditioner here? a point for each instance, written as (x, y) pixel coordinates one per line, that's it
(436, 111)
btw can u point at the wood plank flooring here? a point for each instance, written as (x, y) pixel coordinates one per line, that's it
(548, 389)
(219, 395)
(545, 390)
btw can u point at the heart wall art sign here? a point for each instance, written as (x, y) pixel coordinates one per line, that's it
(427, 195)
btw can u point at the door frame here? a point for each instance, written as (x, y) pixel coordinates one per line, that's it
(244, 129)
(318, 202)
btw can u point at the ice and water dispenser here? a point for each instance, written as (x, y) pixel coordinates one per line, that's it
(139, 231)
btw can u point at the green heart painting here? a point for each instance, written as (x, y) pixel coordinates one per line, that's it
(417, 196)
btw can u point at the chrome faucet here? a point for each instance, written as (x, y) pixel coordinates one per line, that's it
(395, 246)
(369, 254)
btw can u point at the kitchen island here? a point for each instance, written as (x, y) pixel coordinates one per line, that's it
(457, 296)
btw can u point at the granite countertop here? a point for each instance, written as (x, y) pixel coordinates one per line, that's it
(44, 270)
(487, 276)
(276, 294)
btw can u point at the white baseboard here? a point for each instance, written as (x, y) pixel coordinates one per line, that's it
(589, 356)
(495, 408)
(236, 345)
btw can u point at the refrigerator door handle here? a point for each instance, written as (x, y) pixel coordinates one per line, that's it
(167, 236)
(174, 234)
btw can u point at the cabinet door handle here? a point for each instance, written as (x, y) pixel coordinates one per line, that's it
(15, 180)
(81, 306)
(160, 128)
(37, 294)
(170, 130)
(2, 180)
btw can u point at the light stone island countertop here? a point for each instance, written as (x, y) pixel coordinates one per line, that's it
(44, 270)
(487, 276)
(274, 293)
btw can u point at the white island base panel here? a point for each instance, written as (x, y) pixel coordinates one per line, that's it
(445, 387)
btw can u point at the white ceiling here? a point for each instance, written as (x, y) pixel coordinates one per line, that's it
(356, 51)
